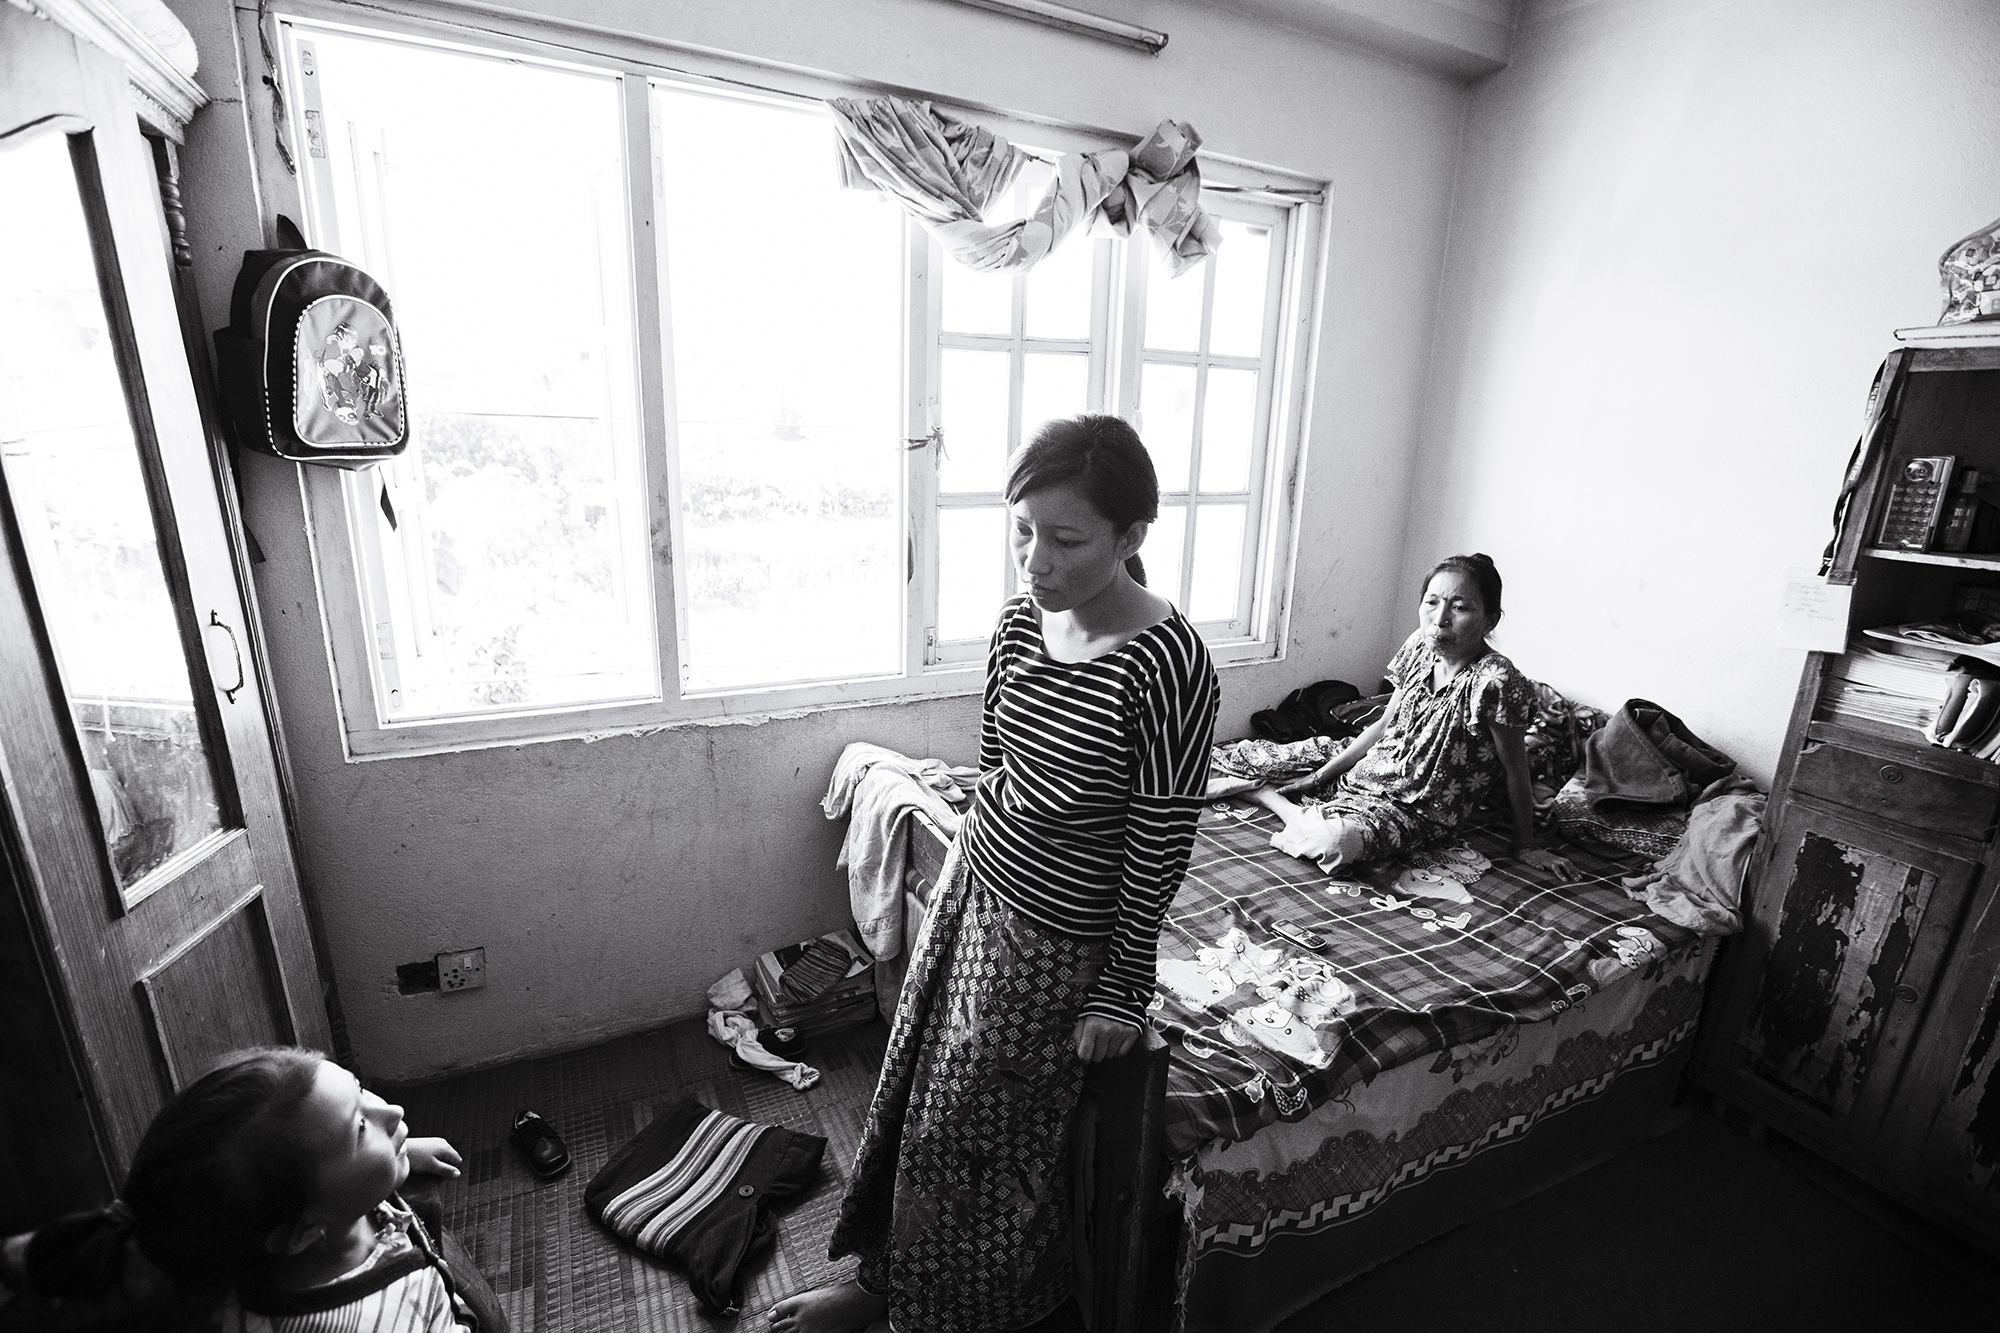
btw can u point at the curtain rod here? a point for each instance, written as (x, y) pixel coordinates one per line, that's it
(503, 15)
(1078, 21)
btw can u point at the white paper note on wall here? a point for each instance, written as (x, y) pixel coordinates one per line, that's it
(1812, 614)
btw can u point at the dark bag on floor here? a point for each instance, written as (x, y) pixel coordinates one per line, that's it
(696, 1186)
(1308, 712)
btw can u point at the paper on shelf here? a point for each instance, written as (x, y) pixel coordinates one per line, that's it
(1812, 613)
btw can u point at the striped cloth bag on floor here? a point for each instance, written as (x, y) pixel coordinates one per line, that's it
(694, 1188)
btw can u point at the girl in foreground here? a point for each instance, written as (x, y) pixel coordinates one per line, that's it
(1454, 723)
(267, 1189)
(1037, 956)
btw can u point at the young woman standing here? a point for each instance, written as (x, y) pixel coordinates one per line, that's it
(1037, 956)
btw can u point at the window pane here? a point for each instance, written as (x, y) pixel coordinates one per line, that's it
(972, 405)
(518, 575)
(1162, 552)
(1052, 386)
(71, 466)
(976, 302)
(1227, 417)
(1242, 267)
(1059, 290)
(1173, 305)
(1218, 562)
(787, 377)
(1166, 409)
(972, 571)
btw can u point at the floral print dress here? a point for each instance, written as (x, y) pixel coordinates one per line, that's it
(1436, 759)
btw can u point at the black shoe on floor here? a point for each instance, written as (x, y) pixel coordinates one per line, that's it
(538, 1141)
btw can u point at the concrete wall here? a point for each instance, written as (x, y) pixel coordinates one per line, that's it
(611, 882)
(1683, 235)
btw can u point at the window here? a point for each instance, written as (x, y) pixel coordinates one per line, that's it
(697, 432)
(503, 559)
(1009, 351)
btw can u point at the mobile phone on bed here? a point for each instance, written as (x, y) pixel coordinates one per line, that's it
(1305, 939)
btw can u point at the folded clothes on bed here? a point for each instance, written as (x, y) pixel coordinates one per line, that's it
(1651, 830)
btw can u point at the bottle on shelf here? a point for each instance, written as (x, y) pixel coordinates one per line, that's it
(1955, 532)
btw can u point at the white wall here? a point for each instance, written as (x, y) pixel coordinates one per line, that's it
(610, 883)
(1682, 237)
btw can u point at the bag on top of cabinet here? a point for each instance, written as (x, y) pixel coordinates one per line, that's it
(311, 367)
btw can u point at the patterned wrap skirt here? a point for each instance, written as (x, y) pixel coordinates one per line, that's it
(959, 1204)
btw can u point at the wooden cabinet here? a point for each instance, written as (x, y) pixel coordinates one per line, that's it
(1859, 1011)
(152, 917)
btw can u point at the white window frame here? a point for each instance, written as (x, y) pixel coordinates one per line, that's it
(337, 503)
(926, 497)
(1240, 637)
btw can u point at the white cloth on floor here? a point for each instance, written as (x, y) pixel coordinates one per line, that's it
(1699, 884)
(730, 992)
(878, 790)
(735, 1030)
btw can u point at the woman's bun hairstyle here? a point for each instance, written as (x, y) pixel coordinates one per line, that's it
(1104, 458)
(1478, 567)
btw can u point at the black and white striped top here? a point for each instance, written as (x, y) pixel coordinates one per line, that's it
(1091, 780)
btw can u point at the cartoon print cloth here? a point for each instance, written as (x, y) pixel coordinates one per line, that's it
(1436, 759)
(1420, 953)
(1241, 766)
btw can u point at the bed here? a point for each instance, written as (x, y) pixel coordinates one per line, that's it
(1467, 1030)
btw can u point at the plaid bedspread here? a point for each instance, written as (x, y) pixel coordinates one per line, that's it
(1417, 956)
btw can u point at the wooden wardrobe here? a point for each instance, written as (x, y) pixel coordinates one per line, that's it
(1859, 1012)
(151, 917)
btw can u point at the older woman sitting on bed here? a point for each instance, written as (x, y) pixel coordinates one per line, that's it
(1454, 723)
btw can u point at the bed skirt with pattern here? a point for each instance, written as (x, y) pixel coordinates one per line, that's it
(959, 1201)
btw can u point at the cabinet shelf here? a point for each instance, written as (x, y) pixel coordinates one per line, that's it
(1905, 744)
(1953, 559)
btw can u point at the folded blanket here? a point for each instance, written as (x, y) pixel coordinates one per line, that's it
(695, 1187)
(1646, 756)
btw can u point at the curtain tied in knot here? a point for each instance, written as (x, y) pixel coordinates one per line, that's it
(946, 171)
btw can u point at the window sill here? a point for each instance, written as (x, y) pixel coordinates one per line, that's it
(746, 709)
(586, 724)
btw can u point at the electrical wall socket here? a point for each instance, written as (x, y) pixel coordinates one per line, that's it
(461, 969)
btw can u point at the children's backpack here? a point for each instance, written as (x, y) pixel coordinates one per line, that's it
(310, 367)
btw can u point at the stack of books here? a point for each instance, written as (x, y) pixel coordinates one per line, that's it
(825, 994)
(1898, 683)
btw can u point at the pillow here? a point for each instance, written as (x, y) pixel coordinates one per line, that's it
(1653, 830)
(1555, 738)
(695, 1186)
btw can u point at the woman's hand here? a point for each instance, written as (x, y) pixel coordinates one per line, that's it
(1310, 782)
(1099, 1038)
(433, 1156)
(1350, 755)
(1543, 859)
